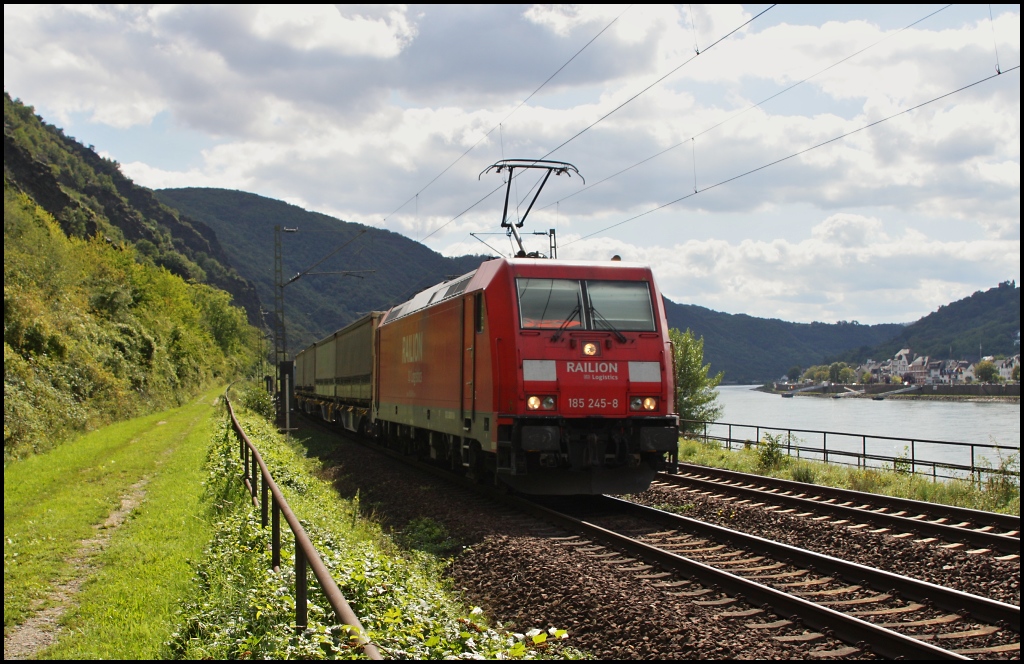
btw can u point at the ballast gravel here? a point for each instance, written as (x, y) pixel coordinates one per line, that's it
(978, 574)
(526, 575)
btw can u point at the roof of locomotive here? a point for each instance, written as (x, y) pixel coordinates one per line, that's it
(488, 270)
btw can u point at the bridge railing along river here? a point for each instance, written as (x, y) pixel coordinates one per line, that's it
(938, 459)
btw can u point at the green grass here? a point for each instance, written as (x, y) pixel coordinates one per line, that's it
(243, 609)
(991, 495)
(52, 502)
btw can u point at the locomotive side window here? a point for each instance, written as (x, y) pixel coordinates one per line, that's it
(549, 304)
(620, 305)
(478, 312)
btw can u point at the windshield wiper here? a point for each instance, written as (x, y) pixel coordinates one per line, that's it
(568, 319)
(597, 316)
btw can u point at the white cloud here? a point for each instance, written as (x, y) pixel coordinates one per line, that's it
(352, 110)
(349, 30)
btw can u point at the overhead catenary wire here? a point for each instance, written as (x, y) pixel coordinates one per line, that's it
(609, 114)
(748, 108)
(995, 46)
(512, 112)
(795, 154)
(659, 80)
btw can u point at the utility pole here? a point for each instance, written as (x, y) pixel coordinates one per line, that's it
(280, 343)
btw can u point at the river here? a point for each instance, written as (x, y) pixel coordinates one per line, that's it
(979, 422)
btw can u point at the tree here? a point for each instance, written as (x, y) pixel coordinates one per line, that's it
(867, 378)
(986, 371)
(1015, 374)
(794, 373)
(847, 376)
(696, 398)
(817, 373)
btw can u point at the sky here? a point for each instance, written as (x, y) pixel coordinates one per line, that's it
(816, 163)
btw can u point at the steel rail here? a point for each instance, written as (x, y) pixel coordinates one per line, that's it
(985, 609)
(850, 629)
(859, 632)
(947, 532)
(1007, 522)
(305, 552)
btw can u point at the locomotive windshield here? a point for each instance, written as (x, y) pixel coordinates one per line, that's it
(552, 304)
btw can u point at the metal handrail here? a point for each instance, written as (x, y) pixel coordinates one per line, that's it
(305, 552)
(911, 462)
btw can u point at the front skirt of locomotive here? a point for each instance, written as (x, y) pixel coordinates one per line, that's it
(554, 482)
(569, 457)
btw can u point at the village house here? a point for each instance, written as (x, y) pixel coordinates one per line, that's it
(1006, 367)
(917, 370)
(901, 363)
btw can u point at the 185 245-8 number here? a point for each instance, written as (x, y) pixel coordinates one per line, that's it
(590, 403)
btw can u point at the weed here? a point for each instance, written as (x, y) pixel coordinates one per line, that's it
(674, 509)
(803, 472)
(902, 464)
(1002, 482)
(425, 534)
(769, 452)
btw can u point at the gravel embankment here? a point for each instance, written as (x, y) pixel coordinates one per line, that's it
(525, 576)
(978, 574)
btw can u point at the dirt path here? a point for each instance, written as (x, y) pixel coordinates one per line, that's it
(42, 630)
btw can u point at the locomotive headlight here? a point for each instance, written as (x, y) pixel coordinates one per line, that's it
(636, 403)
(590, 349)
(548, 403)
(533, 403)
(650, 403)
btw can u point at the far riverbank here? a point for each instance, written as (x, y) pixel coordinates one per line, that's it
(983, 393)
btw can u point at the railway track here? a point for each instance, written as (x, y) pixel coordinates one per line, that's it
(950, 527)
(788, 589)
(811, 605)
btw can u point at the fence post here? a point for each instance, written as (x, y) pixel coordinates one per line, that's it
(913, 462)
(300, 587)
(728, 439)
(255, 475)
(263, 503)
(863, 452)
(275, 536)
(824, 445)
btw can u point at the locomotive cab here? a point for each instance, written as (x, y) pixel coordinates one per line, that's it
(594, 410)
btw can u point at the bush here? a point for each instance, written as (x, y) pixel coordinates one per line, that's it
(803, 472)
(769, 452)
(91, 335)
(256, 398)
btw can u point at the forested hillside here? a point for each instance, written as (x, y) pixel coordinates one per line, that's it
(751, 350)
(94, 334)
(985, 323)
(106, 313)
(89, 196)
(388, 268)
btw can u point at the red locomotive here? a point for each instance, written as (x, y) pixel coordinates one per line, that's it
(555, 377)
